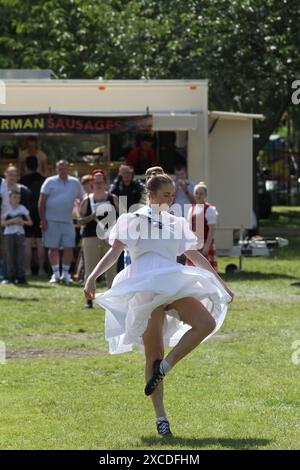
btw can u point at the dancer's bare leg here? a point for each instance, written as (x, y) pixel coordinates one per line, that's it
(192, 312)
(154, 349)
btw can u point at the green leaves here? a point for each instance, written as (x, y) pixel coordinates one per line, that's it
(248, 49)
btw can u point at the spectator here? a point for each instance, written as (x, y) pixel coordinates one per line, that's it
(56, 203)
(34, 180)
(14, 238)
(30, 150)
(125, 186)
(87, 184)
(12, 178)
(4, 201)
(142, 157)
(4, 206)
(209, 219)
(184, 189)
(94, 248)
(169, 155)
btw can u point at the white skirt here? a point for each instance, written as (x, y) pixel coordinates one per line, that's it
(149, 282)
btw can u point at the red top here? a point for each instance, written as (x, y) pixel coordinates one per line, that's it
(206, 226)
(141, 160)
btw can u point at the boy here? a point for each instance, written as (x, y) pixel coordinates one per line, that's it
(14, 237)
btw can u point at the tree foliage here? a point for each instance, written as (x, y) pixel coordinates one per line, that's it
(248, 49)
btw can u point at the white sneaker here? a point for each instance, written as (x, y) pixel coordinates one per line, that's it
(66, 278)
(54, 278)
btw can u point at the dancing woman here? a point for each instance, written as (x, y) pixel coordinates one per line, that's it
(157, 302)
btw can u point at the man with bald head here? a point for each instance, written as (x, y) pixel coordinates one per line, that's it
(56, 203)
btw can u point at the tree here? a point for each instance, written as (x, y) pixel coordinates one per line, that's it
(248, 49)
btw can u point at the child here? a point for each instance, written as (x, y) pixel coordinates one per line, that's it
(14, 237)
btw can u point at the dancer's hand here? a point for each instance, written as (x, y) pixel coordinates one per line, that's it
(90, 288)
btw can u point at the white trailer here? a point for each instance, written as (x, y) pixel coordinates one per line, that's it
(219, 144)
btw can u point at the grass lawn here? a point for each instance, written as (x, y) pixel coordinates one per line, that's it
(59, 388)
(284, 216)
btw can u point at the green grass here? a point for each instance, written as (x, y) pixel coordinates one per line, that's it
(283, 216)
(59, 389)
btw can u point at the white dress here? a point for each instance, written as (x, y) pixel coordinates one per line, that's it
(154, 278)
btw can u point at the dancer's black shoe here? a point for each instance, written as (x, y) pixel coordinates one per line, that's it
(156, 378)
(163, 428)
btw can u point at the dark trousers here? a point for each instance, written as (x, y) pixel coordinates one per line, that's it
(15, 255)
(3, 270)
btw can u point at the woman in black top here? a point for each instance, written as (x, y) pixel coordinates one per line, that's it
(96, 207)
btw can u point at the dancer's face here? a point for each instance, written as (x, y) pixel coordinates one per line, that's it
(163, 195)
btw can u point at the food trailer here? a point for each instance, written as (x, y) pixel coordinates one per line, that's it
(94, 122)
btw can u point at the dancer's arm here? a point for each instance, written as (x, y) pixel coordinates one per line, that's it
(104, 264)
(201, 262)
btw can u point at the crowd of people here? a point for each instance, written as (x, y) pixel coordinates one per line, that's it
(153, 295)
(38, 212)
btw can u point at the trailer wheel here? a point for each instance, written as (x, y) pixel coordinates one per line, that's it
(231, 268)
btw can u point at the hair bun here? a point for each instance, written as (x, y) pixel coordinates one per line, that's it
(154, 171)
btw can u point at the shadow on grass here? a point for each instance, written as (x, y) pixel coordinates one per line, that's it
(30, 285)
(256, 276)
(19, 299)
(287, 219)
(51, 286)
(194, 443)
(73, 285)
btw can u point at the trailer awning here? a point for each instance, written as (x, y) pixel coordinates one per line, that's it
(236, 116)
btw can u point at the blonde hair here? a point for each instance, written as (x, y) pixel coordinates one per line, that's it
(154, 171)
(156, 177)
(14, 191)
(86, 179)
(11, 167)
(202, 185)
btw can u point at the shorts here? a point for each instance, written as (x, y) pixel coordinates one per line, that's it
(59, 235)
